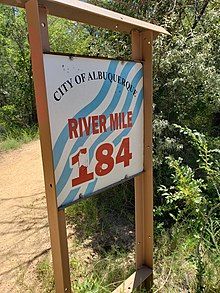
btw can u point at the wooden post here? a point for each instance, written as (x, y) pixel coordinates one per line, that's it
(39, 43)
(142, 51)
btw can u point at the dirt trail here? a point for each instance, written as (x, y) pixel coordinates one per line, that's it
(24, 233)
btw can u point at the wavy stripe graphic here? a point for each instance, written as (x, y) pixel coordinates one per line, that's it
(67, 170)
(91, 187)
(137, 107)
(119, 90)
(73, 193)
(63, 137)
(125, 108)
(80, 141)
(70, 197)
(116, 141)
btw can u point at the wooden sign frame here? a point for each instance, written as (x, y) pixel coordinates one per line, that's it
(142, 34)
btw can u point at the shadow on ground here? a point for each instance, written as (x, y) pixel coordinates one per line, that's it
(106, 220)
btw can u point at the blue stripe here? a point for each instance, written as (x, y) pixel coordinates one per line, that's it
(116, 141)
(63, 137)
(72, 194)
(119, 90)
(125, 109)
(137, 107)
(80, 141)
(91, 187)
(128, 101)
(67, 170)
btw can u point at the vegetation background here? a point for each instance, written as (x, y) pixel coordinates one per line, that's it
(186, 145)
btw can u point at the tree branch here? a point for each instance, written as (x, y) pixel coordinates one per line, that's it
(197, 19)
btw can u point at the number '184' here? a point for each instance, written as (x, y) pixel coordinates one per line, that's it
(105, 161)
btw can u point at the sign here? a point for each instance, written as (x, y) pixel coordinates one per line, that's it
(96, 123)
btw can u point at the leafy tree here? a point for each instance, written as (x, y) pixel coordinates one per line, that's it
(68, 37)
(186, 65)
(187, 72)
(17, 101)
(16, 86)
(193, 198)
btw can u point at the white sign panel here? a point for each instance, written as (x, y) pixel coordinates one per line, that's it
(96, 121)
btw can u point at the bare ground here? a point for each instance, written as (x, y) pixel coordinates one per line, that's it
(24, 233)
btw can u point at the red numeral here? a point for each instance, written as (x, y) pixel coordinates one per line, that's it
(105, 161)
(104, 157)
(84, 175)
(123, 154)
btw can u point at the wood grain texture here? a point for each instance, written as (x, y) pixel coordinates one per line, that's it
(38, 38)
(142, 44)
(91, 14)
(135, 281)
